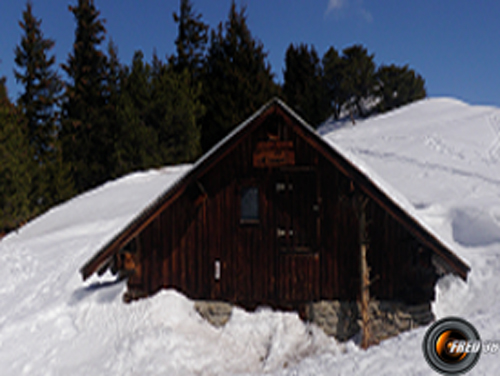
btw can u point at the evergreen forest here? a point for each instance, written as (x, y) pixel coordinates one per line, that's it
(61, 137)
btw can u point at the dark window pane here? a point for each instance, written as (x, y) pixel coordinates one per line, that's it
(250, 203)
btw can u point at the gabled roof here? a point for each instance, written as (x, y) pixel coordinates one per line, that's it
(376, 191)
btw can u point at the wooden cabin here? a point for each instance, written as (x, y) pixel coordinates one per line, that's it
(268, 217)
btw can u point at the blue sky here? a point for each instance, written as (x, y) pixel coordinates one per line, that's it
(453, 44)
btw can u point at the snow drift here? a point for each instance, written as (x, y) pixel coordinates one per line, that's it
(439, 158)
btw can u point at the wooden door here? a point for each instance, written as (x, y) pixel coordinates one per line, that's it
(297, 235)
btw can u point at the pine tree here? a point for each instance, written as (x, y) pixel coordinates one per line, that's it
(358, 79)
(237, 78)
(115, 74)
(42, 88)
(86, 138)
(303, 87)
(16, 165)
(397, 86)
(191, 40)
(176, 100)
(332, 80)
(40, 81)
(114, 69)
(113, 77)
(137, 142)
(157, 113)
(3, 90)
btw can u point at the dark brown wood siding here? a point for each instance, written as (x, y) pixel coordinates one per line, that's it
(303, 247)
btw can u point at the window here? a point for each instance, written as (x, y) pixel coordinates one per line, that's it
(250, 205)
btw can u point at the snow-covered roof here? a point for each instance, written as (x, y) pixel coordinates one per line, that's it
(433, 157)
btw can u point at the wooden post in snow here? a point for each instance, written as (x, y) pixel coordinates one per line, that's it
(360, 203)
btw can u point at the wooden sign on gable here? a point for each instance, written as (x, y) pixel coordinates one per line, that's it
(274, 154)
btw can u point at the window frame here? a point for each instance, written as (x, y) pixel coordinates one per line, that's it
(249, 220)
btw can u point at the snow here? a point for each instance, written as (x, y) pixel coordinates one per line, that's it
(438, 158)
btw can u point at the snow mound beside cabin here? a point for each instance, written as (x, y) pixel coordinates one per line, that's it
(440, 158)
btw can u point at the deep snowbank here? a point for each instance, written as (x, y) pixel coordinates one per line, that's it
(439, 157)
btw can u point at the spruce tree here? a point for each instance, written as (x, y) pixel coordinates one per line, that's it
(113, 77)
(115, 73)
(16, 165)
(41, 84)
(178, 108)
(42, 87)
(303, 87)
(157, 113)
(191, 40)
(137, 142)
(86, 138)
(397, 86)
(332, 79)
(358, 79)
(3, 90)
(237, 78)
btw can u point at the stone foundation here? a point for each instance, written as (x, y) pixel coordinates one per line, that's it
(341, 319)
(387, 319)
(216, 313)
(337, 319)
